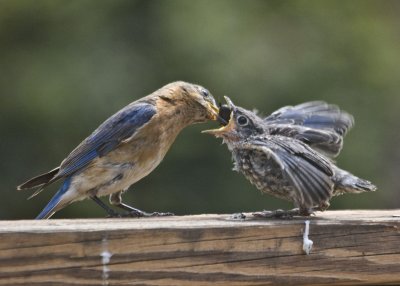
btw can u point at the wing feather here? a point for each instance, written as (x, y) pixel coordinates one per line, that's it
(316, 123)
(314, 114)
(107, 137)
(309, 172)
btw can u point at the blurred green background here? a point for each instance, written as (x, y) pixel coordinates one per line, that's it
(68, 65)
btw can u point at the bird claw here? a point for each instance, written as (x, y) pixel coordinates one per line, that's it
(138, 213)
(159, 214)
(282, 214)
(286, 214)
(238, 216)
(115, 214)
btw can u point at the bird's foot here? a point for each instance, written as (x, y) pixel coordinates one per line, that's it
(114, 214)
(287, 214)
(159, 214)
(238, 216)
(282, 214)
(139, 213)
(134, 212)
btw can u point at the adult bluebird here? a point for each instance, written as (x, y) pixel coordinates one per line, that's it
(283, 164)
(126, 148)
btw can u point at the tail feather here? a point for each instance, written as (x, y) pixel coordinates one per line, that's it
(54, 203)
(348, 183)
(40, 181)
(364, 185)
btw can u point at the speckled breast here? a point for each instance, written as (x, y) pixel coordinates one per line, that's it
(263, 172)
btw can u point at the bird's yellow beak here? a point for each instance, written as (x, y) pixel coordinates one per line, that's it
(214, 110)
(219, 132)
(229, 128)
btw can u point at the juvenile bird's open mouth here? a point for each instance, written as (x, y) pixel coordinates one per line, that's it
(223, 131)
(228, 124)
(224, 114)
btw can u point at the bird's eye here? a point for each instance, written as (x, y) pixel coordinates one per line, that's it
(204, 92)
(242, 120)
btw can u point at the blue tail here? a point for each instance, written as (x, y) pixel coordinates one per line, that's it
(48, 210)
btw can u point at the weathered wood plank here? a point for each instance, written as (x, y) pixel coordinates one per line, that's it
(350, 248)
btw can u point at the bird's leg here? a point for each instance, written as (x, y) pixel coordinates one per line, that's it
(284, 214)
(287, 214)
(111, 212)
(116, 200)
(238, 216)
(323, 206)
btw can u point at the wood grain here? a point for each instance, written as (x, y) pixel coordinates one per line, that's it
(350, 248)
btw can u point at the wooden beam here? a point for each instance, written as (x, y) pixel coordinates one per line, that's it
(350, 248)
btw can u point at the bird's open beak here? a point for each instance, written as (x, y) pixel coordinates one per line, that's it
(229, 102)
(224, 130)
(228, 128)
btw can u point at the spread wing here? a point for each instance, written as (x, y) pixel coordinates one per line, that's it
(309, 172)
(314, 114)
(316, 123)
(107, 137)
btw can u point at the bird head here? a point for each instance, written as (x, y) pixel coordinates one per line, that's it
(194, 101)
(238, 124)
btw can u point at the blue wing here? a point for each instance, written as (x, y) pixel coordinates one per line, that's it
(107, 137)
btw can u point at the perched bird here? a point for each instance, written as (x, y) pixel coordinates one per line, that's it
(279, 154)
(126, 148)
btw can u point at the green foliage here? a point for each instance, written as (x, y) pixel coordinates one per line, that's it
(68, 65)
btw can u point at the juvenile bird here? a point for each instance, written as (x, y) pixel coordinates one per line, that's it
(277, 156)
(126, 148)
